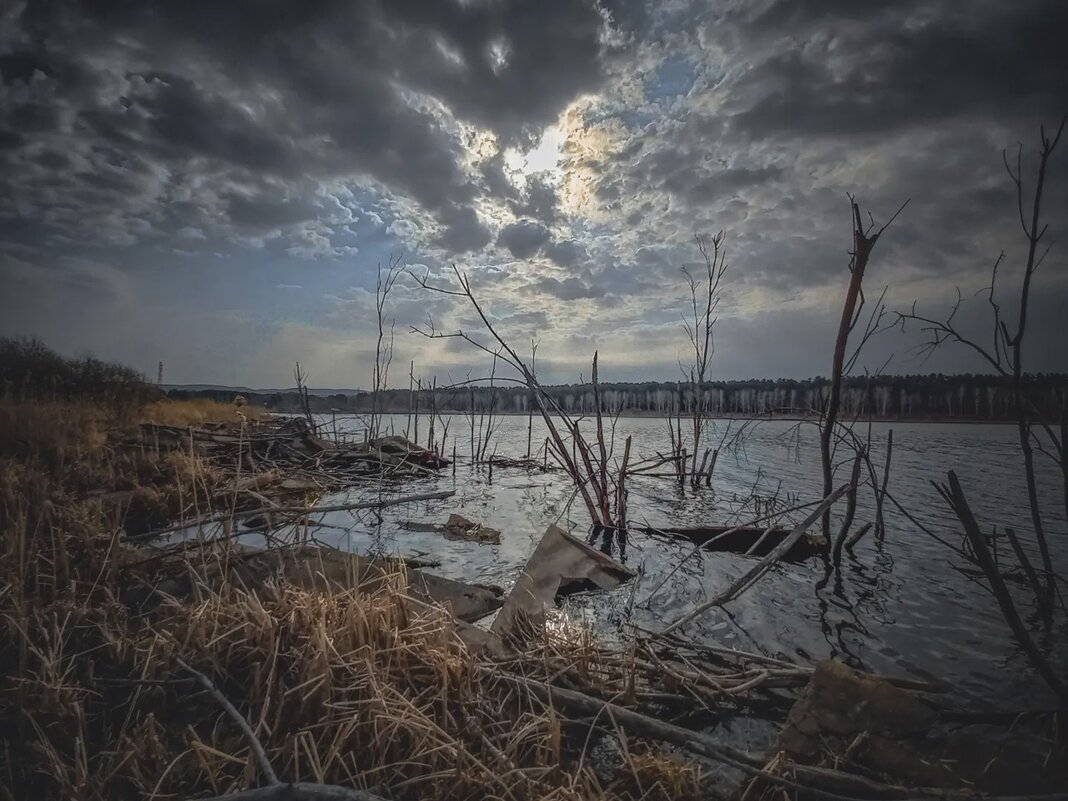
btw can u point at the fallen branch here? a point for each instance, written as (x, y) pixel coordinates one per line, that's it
(303, 510)
(813, 782)
(954, 496)
(750, 577)
(238, 718)
(301, 791)
(275, 790)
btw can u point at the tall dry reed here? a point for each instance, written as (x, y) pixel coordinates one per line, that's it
(363, 690)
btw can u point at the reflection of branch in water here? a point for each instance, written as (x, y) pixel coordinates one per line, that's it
(834, 632)
(867, 580)
(742, 630)
(769, 506)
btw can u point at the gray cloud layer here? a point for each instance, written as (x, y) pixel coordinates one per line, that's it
(144, 141)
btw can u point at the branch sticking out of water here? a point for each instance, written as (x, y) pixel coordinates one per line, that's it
(751, 576)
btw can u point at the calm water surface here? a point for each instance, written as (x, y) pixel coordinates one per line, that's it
(898, 607)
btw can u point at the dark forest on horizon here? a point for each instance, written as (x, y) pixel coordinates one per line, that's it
(889, 397)
(28, 368)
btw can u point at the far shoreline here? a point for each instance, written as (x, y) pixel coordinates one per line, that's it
(658, 416)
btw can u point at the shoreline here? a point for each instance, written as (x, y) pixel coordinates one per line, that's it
(659, 416)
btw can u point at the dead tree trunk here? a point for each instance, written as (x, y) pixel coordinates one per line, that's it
(863, 243)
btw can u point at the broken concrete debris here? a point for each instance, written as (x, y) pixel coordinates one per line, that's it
(561, 564)
(845, 718)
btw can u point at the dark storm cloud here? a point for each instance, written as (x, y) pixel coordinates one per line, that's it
(523, 239)
(464, 232)
(266, 213)
(567, 289)
(780, 15)
(134, 135)
(707, 184)
(567, 253)
(538, 200)
(908, 64)
(792, 105)
(219, 100)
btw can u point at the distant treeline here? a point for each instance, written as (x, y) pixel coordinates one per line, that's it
(29, 370)
(917, 397)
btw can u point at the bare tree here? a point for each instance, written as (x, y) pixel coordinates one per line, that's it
(864, 239)
(705, 296)
(1005, 355)
(301, 379)
(383, 348)
(602, 492)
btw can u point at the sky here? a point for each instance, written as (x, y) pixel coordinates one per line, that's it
(215, 188)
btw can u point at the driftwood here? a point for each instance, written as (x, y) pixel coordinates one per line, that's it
(707, 544)
(744, 540)
(260, 466)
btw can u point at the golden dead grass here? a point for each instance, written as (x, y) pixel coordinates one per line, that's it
(344, 687)
(196, 411)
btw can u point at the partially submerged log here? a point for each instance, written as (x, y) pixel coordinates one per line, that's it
(400, 451)
(741, 540)
(561, 564)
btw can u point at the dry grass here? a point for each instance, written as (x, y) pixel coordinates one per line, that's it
(656, 776)
(343, 688)
(357, 689)
(197, 411)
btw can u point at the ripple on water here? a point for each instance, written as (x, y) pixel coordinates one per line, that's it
(898, 608)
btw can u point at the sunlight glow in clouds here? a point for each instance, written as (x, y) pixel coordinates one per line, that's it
(544, 157)
(166, 163)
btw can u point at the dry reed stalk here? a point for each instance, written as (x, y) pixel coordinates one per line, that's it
(346, 688)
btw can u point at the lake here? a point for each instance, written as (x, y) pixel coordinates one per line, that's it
(899, 607)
